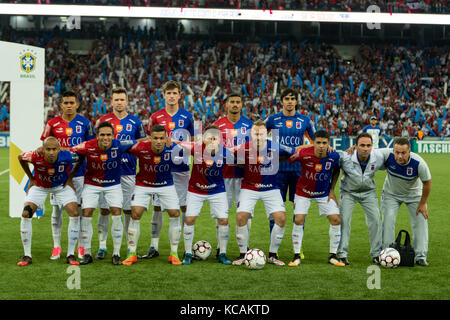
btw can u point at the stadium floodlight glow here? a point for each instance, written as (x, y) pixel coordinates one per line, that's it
(223, 14)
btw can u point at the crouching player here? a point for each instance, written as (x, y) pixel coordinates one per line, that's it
(320, 172)
(154, 178)
(51, 175)
(260, 183)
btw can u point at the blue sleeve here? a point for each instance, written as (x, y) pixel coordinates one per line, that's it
(191, 126)
(74, 157)
(364, 129)
(140, 132)
(286, 151)
(269, 123)
(311, 131)
(90, 131)
(124, 145)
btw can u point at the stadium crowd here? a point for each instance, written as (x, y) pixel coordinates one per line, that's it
(411, 6)
(403, 86)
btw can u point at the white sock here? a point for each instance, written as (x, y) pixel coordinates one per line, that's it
(157, 222)
(133, 234)
(297, 238)
(72, 234)
(126, 223)
(242, 238)
(103, 228)
(174, 233)
(117, 233)
(56, 225)
(188, 234)
(86, 234)
(26, 232)
(335, 237)
(249, 226)
(183, 217)
(276, 237)
(224, 234)
(217, 234)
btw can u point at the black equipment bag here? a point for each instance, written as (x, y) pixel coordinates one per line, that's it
(406, 250)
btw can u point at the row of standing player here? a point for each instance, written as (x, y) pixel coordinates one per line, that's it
(292, 125)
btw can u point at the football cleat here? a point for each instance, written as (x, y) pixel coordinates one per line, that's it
(87, 258)
(239, 260)
(187, 259)
(345, 261)
(26, 260)
(422, 262)
(56, 253)
(376, 260)
(152, 253)
(217, 253)
(296, 261)
(132, 258)
(116, 260)
(224, 259)
(274, 260)
(101, 254)
(80, 251)
(71, 260)
(173, 259)
(332, 259)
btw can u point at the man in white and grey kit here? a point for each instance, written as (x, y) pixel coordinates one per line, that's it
(358, 186)
(408, 181)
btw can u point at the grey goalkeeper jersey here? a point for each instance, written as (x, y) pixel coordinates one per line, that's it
(353, 178)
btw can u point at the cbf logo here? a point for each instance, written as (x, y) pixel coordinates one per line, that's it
(28, 60)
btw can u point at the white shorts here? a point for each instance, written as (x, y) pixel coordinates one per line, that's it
(37, 195)
(166, 195)
(272, 199)
(217, 202)
(78, 183)
(181, 183)
(91, 195)
(326, 208)
(127, 183)
(233, 187)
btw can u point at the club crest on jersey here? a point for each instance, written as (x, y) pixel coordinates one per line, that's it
(104, 157)
(119, 128)
(113, 153)
(298, 125)
(243, 130)
(78, 129)
(166, 156)
(171, 125)
(318, 167)
(289, 123)
(219, 163)
(129, 127)
(181, 123)
(51, 171)
(157, 159)
(409, 171)
(69, 131)
(372, 167)
(328, 166)
(61, 168)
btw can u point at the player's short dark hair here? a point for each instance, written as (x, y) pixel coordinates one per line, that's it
(363, 135)
(119, 90)
(157, 128)
(170, 85)
(402, 141)
(232, 95)
(321, 134)
(105, 124)
(287, 92)
(68, 94)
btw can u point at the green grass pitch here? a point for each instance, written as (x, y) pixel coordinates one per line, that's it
(209, 280)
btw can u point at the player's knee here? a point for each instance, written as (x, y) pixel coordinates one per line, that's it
(189, 221)
(299, 219)
(280, 219)
(173, 213)
(222, 221)
(104, 212)
(27, 212)
(241, 219)
(335, 219)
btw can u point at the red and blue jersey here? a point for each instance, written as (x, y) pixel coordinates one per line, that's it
(50, 175)
(69, 134)
(292, 132)
(126, 129)
(234, 134)
(103, 166)
(315, 179)
(207, 171)
(155, 170)
(179, 127)
(261, 167)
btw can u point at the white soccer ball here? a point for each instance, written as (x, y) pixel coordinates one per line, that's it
(202, 249)
(389, 258)
(255, 259)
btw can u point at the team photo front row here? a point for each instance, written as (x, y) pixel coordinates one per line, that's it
(81, 177)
